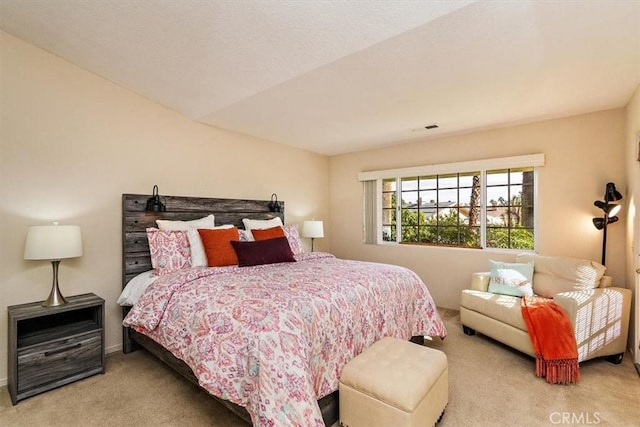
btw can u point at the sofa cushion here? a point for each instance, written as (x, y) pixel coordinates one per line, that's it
(553, 275)
(503, 308)
(509, 278)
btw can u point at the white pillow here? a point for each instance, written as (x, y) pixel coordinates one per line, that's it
(170, 225)
(246, 236)
(198, 255)
(261, 224)
(136, 287)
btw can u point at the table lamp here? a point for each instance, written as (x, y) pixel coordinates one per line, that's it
(312, 229)
(53, 242)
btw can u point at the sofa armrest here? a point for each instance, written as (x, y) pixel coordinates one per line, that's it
(600, 319)
(480, 281)
(600, 302)
(606, 282)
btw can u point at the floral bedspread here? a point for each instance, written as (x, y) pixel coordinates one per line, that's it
(274, 338)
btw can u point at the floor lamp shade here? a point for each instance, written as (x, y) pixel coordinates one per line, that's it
(53, 242)
(609, 214)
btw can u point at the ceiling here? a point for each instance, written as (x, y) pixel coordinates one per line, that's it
(343, 76)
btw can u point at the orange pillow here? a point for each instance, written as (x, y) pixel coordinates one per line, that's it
(217, 246)
(267, 233)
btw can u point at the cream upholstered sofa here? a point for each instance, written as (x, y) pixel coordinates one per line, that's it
(599, 312)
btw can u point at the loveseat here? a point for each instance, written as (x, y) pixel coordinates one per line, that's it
(598, 312)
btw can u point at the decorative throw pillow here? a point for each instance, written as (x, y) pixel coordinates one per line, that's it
(198, 255)
(511, 278)
(246, 236)
(267, 233)
(168, 225)
(292, 235)
(260, 252)
(250, 224)
(217, 246)
(170, 250)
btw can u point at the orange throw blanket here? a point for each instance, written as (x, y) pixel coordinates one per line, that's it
(552, 339)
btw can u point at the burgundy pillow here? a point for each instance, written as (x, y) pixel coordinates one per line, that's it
(260, 252)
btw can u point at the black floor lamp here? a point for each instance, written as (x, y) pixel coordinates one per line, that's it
(610, 210)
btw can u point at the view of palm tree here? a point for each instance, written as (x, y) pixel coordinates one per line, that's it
(446, 209)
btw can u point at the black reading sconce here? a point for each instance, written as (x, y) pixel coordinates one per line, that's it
(274, 206)
(153, 203)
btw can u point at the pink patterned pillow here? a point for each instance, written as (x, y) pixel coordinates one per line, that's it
(292, 235)
(170, 250)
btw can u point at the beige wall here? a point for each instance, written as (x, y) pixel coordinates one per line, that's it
(71, 143)
(632, 155)
(582, 154)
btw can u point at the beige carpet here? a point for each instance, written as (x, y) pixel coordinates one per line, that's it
(490, 385)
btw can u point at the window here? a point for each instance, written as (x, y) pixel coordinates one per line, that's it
(480, 206)
(510, 209)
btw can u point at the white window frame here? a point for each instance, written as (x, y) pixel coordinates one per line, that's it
(524, 161)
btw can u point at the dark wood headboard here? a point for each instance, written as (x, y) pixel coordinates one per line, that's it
(135, 220)
(137, 259)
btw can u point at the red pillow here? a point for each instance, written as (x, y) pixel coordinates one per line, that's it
(260, 252)
(267, 233)
(217, 246)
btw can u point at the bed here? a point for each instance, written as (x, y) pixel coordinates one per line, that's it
(268, 341)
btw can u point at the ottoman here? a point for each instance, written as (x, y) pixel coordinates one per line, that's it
(394, 383)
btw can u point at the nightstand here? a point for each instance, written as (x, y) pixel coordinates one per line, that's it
(53, 346)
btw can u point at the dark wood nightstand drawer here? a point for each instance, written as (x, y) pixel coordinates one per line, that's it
(53, 361)
(50, 346)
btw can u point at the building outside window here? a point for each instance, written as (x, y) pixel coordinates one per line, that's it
(484, 208)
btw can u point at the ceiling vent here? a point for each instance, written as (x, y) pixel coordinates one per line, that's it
(432, 126)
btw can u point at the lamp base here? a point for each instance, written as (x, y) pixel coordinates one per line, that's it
(55, 297)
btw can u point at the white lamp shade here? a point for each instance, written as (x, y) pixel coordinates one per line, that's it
(313, 229)
(53, 242)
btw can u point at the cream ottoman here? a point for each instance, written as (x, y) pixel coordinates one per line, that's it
(394, 383)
